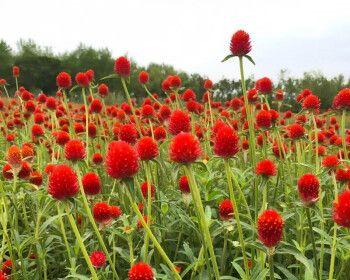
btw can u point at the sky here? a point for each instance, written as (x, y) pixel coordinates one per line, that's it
(193, 36)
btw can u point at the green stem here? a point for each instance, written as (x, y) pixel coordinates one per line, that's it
(81, 243)
(271, 265)
(313, 241)
(202, 218)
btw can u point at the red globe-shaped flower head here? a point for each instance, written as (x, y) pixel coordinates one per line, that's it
(179, 122)
(143, 77)
(63, 182)
(145, 188)
(82, 79)
(295, 131)
(147, 148)
(341, 209)
(265, 168)
(122, 160)
(226, 209)
(184, 186)
(98, 259)
(311, 103)
(330, 161)
(226, 142)
(264, 85)
(184, 148)
(74, 150)
(308, 187)
(15, 71)
(264, 119)
(240, 43)
(141, 271)
(122, 67)
(101, 212)
(208, 84)
(342, 100)
(64, 80)
(270, 227)
(103, 90)
(91, 183)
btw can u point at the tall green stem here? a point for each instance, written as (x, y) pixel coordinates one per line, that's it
(313, 242)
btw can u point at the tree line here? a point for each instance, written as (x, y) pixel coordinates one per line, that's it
(40, 66)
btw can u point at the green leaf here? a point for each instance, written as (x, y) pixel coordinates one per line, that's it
(227, 57)
(165, 208)
(250, 59)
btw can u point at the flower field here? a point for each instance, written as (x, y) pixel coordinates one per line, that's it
(182, 187)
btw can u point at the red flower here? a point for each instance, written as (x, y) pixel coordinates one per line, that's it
(226, 142)
(147, 148)
(97, 158)
(342, 99)
(330, 161)
(264, 119)
(184, 148)
(91, 183)
(143, 77)
(15, 71)
(295, 131)
(74, 150)
(37, 130)
(103, 90)
(128, 133)
(240, 43)
(188, 95)
(226, 209)
(179, 122)
(82, 79)
(265, 168)
(164, 112)
(51, 103)
(98, 259)
(36, 178)
(122, 67)
(122, 160)
(90, 74)
(175, 81)
(14, 156)
(61, 137)
(343, 175)
(184, 187)
(147, 111)
(116, 212)
(208, 84)
(64, 80)
(144, 190)
(311, 102)
(270, 227)
(7, 267)
(341, 209)
(3, 276)
(264, 85)
(141, 271)
(101, 212)
(308, 187)
(63, 182)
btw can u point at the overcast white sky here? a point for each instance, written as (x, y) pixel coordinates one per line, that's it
(192, 35)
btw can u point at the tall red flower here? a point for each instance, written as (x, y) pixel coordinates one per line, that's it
(341, 209)
(264, 85)
(240, 43)
(184, 186)
(208, 84)
(184, 148)
(14, 156)
(311, 103)
(179, 122)
(342, 100)
(82, 79)
(91, 183)
(64, 80)
(226, 209)
(147, 148)
(226, 142)
(144, 189)
(308, 187)
(103, 90)
(122, 160)
(270, 227)
(98, 259)
(101, 212)
(74, 150)
(143, 77)
(295, 131)
(264, 119)
(266, 168)
(63, 182)
(15, 71)
(141, 271)
(122, 67)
